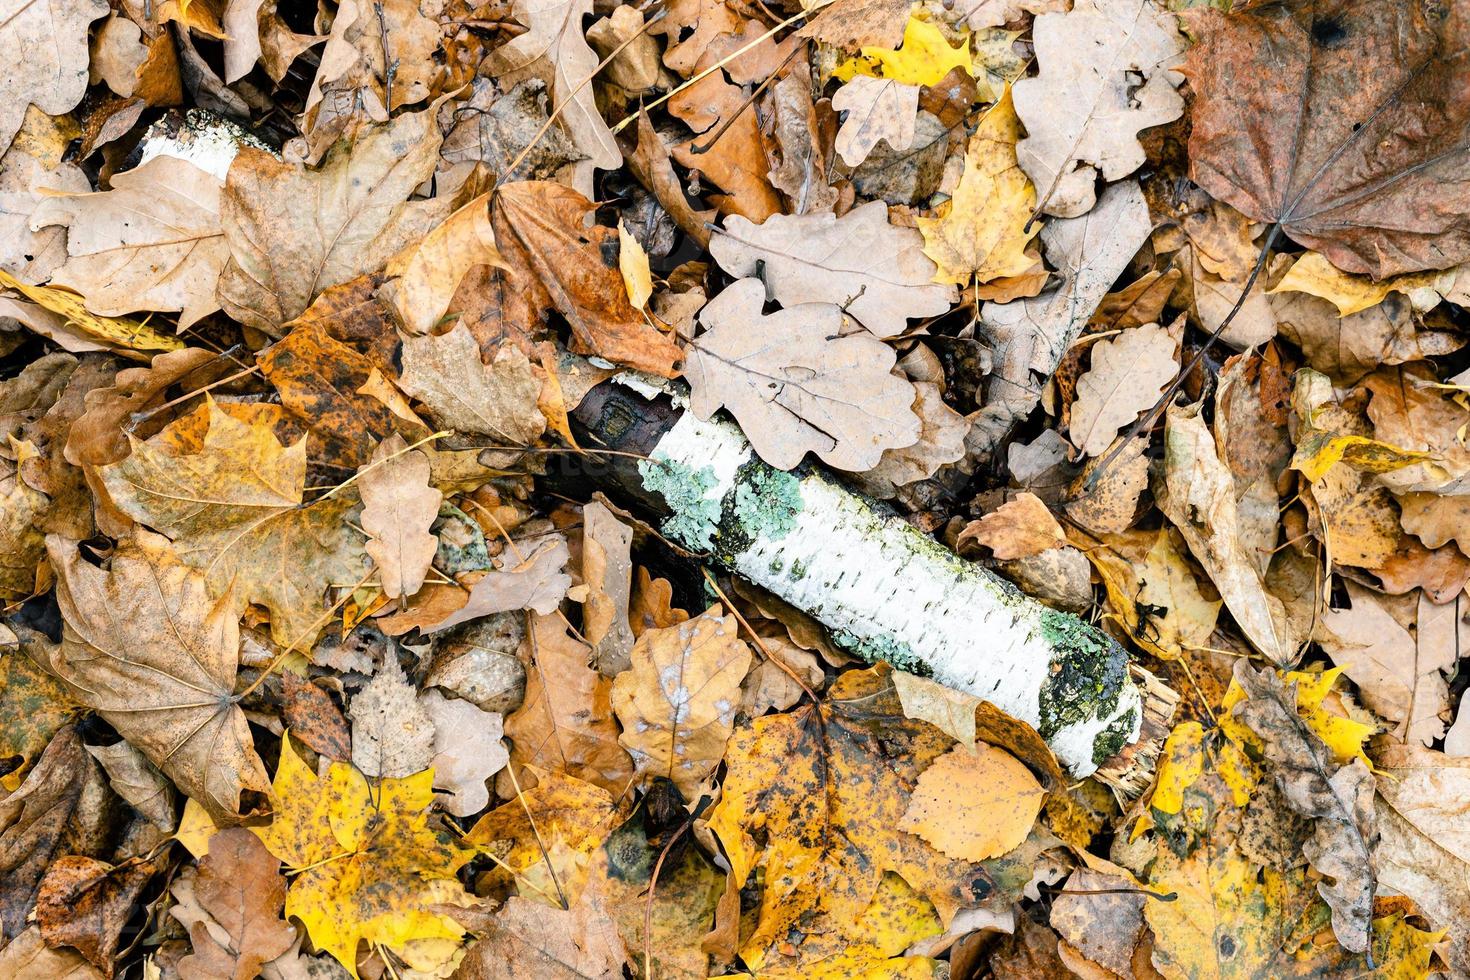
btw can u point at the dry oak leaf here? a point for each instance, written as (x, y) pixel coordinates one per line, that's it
(562, 264)
(33, 167)
(231, 502)
(52, 39)
(1338, 799)
(496, 400)
(23, 510)
(566, 723)
(739, 161)
(468, 749)
(993, 13)
(398, 508)
(974, 803)
(147, 647)
(797, 384)
(240, 885)
(982, 233)
(877, 272)
(294, 232)
(941, 442)
(1341, 122)
(151, 242)
(1127, 373)
(366, 863)
(1019, 528)
(1197, 494)
(607, 571)
(677, 703)
(1085, 107)
(877, 109)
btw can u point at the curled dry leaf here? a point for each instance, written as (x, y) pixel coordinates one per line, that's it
(1018, 528)
(430, 270)
(797, 384)
(166, 684)
(1085, 107)
(876, 271)
(398, 508)
(678, 702)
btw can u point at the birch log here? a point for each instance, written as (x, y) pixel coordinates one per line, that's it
(884, 589)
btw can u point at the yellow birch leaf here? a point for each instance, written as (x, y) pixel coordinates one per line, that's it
(119, 331)
(924, 57)
(974, 804)
(1180, 764)
(982, 233)
(367, 865)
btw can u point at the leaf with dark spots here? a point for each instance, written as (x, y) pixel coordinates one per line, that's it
(1346, 122)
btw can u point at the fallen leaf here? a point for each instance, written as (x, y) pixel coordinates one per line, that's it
(84, 903)
(55, 75)
(877, 109)
(580, 943)
(566, 723)
(166, 683)
(1018, 528)
(535, 582)
(98, 436)
(138, 781)
(1197, 494)
(153, 241)
(924, 57)
(876, 271)
(111, 332)
(677, 703)
(27, 957)
(1127, 374)
(796, 384)
(34, 706)
(313, 718)
(34, 166)
(1339, 800)
(464, 394)
(1313, 273)
(366, 863)
(974, 804)
(555, 48)
(398, 508)
(392, 734)
(240, 885)
(294, 232)
(941, 442)
(558, 261)
(739, 162)
(1085, 107)
(984, 232)
(607, 571)
(468, 749)
(1330, 135)
(232, 504)
(429, 270)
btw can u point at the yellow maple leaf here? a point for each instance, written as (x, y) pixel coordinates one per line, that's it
(982, 232)
(924, 57)
(367, 866)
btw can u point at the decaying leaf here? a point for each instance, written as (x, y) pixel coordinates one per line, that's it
(797, 383)
(166, 683)
(677, 703)
(1128, 372)
(1305, 142)
(392, 734)
(55, 40)
(368, 865)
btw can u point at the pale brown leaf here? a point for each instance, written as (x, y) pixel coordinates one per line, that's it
(398, 509)
(1128, 372)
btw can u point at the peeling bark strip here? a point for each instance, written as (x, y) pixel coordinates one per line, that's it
(885, 590)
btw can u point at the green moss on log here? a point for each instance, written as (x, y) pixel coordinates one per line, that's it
(1088, 673)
